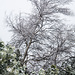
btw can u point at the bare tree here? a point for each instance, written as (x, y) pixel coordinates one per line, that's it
(57, 47)
(33, 32)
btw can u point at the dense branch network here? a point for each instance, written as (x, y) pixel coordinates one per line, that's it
(42, 35)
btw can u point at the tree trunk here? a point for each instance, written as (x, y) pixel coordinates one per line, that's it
(25, 54)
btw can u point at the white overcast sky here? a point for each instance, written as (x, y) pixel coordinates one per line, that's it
(16, 6)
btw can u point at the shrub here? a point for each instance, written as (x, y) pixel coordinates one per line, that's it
(9, 64)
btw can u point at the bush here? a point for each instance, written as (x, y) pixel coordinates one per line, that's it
(9, 64)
